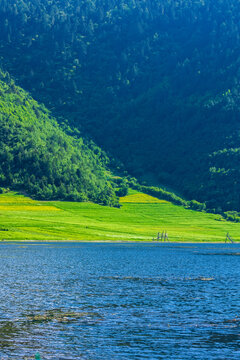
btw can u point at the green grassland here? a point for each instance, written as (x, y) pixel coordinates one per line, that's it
(139, 219)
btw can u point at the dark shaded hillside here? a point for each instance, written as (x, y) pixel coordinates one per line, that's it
(156, 83)
(38, 157)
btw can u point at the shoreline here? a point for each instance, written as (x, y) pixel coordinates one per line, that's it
(118, 242)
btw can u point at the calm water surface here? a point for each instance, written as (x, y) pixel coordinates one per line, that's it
(120, 301)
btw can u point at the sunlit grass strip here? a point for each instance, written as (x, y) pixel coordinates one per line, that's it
(14, 199)
(142, 199)
(24, 207)
(134, 221)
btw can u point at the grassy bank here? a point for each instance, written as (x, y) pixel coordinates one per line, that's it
(139, 219)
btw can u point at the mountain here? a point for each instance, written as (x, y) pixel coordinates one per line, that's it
(38, 157)
(155, 83)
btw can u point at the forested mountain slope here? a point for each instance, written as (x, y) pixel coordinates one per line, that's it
(155, 82)
(38, 157)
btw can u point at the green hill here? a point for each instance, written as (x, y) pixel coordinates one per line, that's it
(39, 158)
(155, 83)
(140, 218)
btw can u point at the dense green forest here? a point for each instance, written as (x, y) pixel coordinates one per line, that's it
(38, 157)
(155, 83)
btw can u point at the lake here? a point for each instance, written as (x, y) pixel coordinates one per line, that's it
(119, 301)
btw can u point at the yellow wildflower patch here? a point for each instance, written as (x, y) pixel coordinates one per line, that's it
(28, 208)
(15, 199)
(141, 198)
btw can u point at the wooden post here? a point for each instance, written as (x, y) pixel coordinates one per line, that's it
(228, 237)
(162, 236)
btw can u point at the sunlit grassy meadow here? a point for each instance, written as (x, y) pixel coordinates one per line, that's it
(140, 218)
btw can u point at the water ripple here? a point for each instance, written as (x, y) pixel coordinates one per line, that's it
(133, 301)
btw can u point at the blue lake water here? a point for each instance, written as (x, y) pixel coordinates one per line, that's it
(120, 301)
